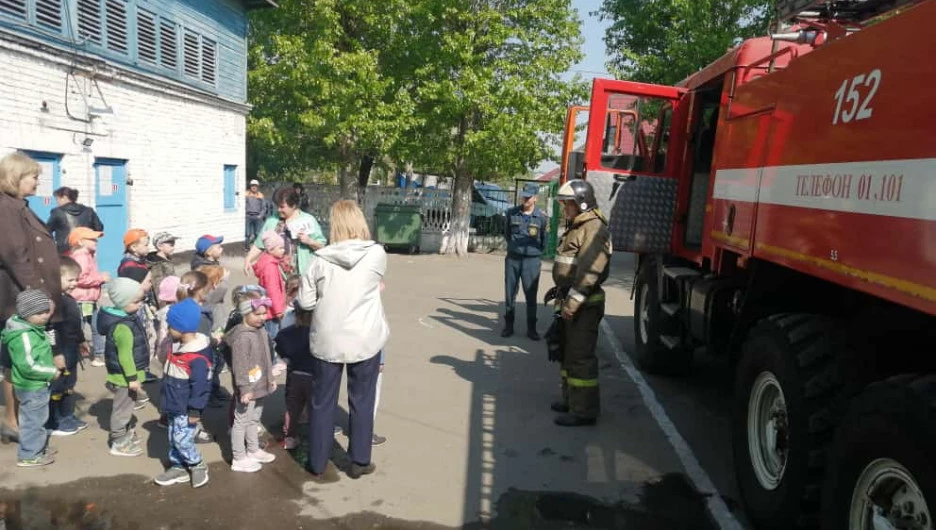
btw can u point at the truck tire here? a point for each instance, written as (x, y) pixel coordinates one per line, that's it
(787, 381)
(882, 459)
(650, 323)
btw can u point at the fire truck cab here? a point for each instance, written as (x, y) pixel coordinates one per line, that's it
(782, 204)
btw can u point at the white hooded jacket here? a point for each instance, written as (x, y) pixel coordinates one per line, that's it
(342, 287)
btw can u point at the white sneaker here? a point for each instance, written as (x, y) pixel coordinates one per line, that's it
(98, 362)
(262, 456)
(290, 443)
(245, 465)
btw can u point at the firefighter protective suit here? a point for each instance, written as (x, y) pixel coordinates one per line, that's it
(582, 264)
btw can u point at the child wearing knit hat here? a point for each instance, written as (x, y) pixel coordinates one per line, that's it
(271, 276)
(33, 369)
(126, 357)
(186, 387)
(146, 315)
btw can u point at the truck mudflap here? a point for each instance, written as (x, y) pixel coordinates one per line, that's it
(639, 209)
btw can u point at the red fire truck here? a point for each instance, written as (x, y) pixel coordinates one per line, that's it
(782, 204)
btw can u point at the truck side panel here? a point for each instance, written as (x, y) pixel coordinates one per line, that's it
(847, 191)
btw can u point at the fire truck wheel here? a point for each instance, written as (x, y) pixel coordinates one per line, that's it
(881, 469)
(786, 379)
(650, 323)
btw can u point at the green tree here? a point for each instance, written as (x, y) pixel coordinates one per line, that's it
(322, 96)
(664, 41)
(485, 76)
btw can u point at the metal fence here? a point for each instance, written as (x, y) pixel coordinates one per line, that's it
(487, 224)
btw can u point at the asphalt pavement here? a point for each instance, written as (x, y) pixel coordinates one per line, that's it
(471, 443)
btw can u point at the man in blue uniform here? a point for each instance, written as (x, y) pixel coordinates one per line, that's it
(526, 237)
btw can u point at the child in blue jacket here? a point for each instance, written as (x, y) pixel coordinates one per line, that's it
(185, 391)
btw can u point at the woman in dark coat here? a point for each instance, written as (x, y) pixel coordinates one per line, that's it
(68, 215)
(28, 259)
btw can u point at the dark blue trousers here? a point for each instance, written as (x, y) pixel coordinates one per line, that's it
(519, 270)
(362, 393)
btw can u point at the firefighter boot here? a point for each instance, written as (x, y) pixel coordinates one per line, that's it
(562, 405)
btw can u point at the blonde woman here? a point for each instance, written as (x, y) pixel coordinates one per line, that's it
(28, 260)
(349, 329)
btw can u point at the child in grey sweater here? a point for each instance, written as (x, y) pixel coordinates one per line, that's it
(252, 370)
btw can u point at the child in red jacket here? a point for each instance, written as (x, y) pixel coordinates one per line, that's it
(270, 276)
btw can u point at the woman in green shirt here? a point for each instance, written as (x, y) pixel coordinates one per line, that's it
(300, 230)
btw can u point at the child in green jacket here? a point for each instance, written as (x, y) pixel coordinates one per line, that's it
(33, 368)
(126, 357)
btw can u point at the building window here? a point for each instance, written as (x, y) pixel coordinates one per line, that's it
(116, 25)
(89, 20)
(49, 14)
(14, 8)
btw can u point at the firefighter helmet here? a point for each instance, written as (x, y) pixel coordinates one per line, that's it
(580, 192)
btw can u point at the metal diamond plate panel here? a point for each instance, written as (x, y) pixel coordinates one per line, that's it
(640, 212)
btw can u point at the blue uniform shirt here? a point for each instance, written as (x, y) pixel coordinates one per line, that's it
(526, 234)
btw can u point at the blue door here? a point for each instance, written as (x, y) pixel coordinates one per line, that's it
(49, 181)
(230, 187)
(110, 198)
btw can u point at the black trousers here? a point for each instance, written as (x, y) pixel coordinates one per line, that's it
(362, 393)
(523, 270)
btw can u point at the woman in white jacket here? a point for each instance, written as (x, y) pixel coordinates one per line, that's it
(349, 329)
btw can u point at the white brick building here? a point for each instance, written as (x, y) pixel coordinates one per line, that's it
(97, 119)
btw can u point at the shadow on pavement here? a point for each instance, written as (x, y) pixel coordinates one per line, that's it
(525, 472)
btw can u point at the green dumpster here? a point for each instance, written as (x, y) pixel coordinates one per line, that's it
(399, 226)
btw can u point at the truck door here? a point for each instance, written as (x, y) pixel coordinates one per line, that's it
(632, 129)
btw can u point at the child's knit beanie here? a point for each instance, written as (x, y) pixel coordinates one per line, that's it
(123, 291)
(32, 302)
(272, 240)
(185, 316)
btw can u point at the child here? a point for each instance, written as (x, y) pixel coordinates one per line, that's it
(208, 251)
(84, 242)
(186, 386)
(292, 290)
(126, 357)
(136, 244)
(269, 272)
(146, 315)
(166, 297)
(292, 344)
(71, 344)
(239, 294)
(194, 285)
(33, 369)
(253, 378)
(160, 260)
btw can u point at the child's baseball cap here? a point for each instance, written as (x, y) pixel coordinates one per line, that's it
(163, 237)
(184, 317)
(133, 235)
(206, 241)
(82, 232)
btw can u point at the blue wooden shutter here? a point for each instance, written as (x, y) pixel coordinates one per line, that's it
(115, 23)
(14, 8)
(168, 44)
(89, 20)
(230, 185)
(49, 14)
(147, 48)
(209, 55)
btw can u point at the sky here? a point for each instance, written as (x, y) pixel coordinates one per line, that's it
(593, 64)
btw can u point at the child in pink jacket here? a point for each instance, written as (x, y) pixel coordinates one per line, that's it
(83, 242)
(269, 271)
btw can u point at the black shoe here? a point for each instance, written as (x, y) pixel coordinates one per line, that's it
(357, 470)
(150, 378)
(559, 406)
(533, 335)
(508, 332)
(329, 476)
(378, 440)
(571, 420)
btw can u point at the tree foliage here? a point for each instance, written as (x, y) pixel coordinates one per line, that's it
(487, 85)
(321, 93)
(664, 41)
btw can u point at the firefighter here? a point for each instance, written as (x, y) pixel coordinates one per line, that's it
(582, 264)
(526, 238)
